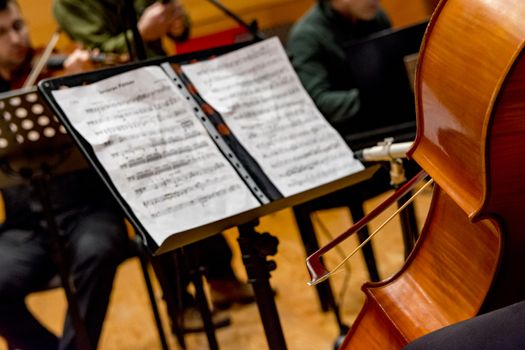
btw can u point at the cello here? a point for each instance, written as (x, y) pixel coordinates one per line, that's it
(470, 102)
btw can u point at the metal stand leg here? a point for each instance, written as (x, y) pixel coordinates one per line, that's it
(255, 247)
(196, 274)
(307, 232)
(144, 264)
(408, 215)
(357, 212)
(311, 244)
(171, 283)
(408, 225)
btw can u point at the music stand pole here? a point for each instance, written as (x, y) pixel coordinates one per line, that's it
(252, 27)
(130, 21)
(255, 247)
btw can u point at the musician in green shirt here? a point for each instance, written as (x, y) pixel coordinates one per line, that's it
(316, 52)
(101, 24)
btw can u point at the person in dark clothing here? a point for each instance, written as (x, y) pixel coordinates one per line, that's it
(315, 46)
(87, 218)
(502, 329)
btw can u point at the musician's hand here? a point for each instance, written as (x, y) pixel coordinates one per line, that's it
(178, 20)
(155, 21)
(78, 61)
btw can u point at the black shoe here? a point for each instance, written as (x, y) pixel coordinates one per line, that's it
(225, 293)
(192, 320)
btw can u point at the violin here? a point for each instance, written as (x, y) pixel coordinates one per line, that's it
(55, 62)
(469, 86)
(54, 66)
(45, 63)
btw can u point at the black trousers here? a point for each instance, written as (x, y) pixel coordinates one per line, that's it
(96, 244)
(502, 329)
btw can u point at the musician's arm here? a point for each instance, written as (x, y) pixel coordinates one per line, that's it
(94, 24)
(160, 19)
(86, 22)
(78, 61)
(180, 27)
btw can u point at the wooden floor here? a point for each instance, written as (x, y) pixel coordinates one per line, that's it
(129, 323)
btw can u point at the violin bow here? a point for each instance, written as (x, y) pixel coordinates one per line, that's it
(37, 69)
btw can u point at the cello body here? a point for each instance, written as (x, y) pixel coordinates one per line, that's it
(470, 101)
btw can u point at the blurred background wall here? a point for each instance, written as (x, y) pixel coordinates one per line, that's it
(273, 16)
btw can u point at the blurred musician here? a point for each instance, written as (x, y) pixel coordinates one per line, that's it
(17, 55)
(99, 24)
(86, 216)
(315, 46)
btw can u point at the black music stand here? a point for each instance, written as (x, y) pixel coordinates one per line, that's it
(255, 247)
(34, 147)
(377, 69)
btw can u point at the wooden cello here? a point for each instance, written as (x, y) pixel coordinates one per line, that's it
(470, 95)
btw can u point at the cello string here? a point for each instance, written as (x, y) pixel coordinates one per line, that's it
(410, 200)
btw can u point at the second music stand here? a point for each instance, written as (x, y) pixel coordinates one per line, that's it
(34, 147)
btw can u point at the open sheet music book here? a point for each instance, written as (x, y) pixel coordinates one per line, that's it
(188, 145)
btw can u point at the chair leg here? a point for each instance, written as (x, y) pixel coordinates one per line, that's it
(409, 226)
(307, 232)
(357, 213)
(144, 264)
(187, 257)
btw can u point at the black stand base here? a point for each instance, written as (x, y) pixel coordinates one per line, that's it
(339, 341)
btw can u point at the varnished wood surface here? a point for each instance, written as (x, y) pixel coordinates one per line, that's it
(469, 99)
(466, 55)
(130, 326)
(444, 281)
(472, 116)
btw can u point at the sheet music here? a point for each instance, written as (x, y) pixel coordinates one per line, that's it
(261, 99)
(159, 157)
